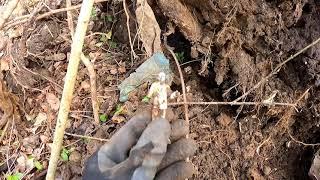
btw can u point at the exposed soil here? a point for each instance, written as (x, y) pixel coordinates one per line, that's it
(227, 47)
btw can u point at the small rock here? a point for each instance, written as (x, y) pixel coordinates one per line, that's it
(75, 156)
(266, 170)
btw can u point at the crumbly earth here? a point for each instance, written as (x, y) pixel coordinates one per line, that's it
(225, 49)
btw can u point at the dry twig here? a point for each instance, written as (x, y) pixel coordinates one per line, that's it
(23, 19)
(234, 103)
(4, 15)
(277, 69)
(133, 54)
(93, 86)
(87, 137)
(76, 51)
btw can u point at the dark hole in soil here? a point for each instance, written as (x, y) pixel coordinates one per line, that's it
(303, 162)
(181, 45)
(307, 8)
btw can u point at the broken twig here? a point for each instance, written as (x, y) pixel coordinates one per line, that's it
(86, 137)
(93, 86)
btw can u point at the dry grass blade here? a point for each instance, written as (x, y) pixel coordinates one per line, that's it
(7, 12)
(277, 69)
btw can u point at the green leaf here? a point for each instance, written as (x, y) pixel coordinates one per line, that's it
(16, 176)
(109, 35)
(93, 13)
(103, 117)
(105, 37)
(146, 99)
(119, 110)
(65, 154)
(38, 165)
(109, 18)
(112, 44)
(180, 56)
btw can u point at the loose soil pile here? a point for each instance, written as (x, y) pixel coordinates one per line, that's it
(224, 47)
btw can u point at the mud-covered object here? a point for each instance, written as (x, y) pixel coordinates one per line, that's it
(140, 150)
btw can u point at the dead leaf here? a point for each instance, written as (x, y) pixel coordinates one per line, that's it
(149, 28)
(42, 117)
(53, 101)
(4, 63)
(8, 103)
(118, 119)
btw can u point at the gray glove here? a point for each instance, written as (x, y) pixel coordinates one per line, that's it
(140, 151)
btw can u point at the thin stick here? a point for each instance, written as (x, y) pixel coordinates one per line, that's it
(277, 69)
(133, 54)
(86, 137)
(186, 111)
(93, 86)
(7, 11)
(76, 50)
(90, 68)
(233, 103)
(24, 18)
(70, 19)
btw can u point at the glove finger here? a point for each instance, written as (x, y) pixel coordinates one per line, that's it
(179, 128)
(178, 151)
(122, 141)
(158, 133)
(177, 171)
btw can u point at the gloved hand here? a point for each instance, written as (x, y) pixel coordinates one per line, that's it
(141, 150)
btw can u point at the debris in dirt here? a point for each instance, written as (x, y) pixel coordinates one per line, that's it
(224, 120)
(53, 101)
(75, 156)
(183, 18)
(41, 118)
(146, 72)
(8, 105)
(149, 28)
(314, 171)
(267, 170)
(45, 35)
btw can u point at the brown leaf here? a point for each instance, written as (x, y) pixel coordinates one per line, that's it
(149, 28)
(118, 119)
(8, 103)
(53, 101)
